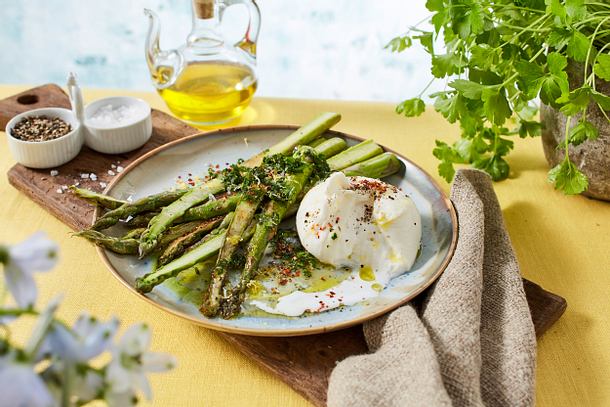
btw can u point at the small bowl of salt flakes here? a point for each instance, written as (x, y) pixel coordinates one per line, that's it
(117, 125)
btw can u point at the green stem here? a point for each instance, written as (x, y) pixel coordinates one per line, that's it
(40, 330)
(426, 87)
(66, 387)
(512, 39)
(567, 138)
(591, 44)
(17, 312)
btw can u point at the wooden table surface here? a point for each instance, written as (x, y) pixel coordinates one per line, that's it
(562, 243)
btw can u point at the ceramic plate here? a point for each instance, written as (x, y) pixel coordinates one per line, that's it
(159, 169)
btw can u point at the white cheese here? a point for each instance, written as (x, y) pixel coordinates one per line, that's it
(361, 223)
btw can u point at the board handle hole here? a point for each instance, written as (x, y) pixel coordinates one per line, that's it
(27, 99)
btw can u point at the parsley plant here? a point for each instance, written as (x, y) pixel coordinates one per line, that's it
(499, 56)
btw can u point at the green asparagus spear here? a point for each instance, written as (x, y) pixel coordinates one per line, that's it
(149, 203)
(173, 211)
(360, 152)
(378, 167)
(302, 136)
(197, 195)
(176, 232)
(179, 246)
(244, 213)
(102, 200)
(265, 230)
(141, 220)
(210, 209)
(114, 244)
(200, 253)
(134, 233)
(220, 206)
(331, 147)
(317, 142)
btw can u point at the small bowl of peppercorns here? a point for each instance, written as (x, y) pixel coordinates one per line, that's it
(44, 138)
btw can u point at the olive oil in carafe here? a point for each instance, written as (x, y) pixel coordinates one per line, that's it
(208, 93)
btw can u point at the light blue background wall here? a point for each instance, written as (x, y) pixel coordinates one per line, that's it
(307, 48)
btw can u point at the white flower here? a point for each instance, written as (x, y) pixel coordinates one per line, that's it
(131, 361)
(20, 385)
(87, 339)
(37, 253)
(86, 384)
(124, 399)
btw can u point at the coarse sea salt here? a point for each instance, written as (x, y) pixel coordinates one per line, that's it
(114, 115)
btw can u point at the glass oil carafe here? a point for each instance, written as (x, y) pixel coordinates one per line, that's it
(206, 81)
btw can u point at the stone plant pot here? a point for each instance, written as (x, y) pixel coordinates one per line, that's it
(591, 157)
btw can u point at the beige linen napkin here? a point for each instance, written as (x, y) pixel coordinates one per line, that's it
(472, 340)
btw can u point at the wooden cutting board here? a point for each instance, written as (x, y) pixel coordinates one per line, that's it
(304, 363)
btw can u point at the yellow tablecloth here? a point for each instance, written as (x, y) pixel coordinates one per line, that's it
(563, 243)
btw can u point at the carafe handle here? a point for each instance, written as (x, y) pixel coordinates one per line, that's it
(248, 42)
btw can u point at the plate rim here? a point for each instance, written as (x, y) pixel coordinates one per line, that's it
(210, 323)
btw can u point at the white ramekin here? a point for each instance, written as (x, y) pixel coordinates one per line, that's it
(46, 154)
(121, 138)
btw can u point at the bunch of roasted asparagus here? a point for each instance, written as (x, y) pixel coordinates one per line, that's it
(234, 214)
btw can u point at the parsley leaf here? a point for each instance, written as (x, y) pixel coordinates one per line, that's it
(582, 132)
(446, 64)
(602, 67)
(469, 89)
(602, 100)
(556, 8)
(531, 76)
(496, 106)
(449, 106)
(576, 101)
(448, 157)
(411, 107)
(529, 128)
(578, 46)
(495, 166)
(555, 82)
(399, 44)
(426, 40)
(568, 178)
(575, 9)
